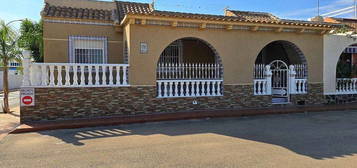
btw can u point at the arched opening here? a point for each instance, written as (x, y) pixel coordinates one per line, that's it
(280, 70)
(346, 71)
(189, 67)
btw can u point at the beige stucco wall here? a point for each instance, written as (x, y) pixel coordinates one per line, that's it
(333, 47)
(238, 50)
(56, 40)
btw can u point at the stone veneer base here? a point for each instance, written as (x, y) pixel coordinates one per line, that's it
(75, 103)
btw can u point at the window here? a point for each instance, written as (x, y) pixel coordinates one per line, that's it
(88, 50)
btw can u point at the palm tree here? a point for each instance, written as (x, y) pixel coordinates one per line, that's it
(9, 51)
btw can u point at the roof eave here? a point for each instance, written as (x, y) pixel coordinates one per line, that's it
(284, 24)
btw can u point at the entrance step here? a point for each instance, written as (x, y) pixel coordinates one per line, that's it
(279, 100)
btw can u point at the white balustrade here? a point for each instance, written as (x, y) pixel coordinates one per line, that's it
(298, 81)
(189, 88)
(175, 71)
(259, 71)
(74, 75)
(346, 86)
(261, 87)
(300, 86)
(263, 83)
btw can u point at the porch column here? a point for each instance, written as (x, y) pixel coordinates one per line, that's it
(292, 82)
(26, 68)
(268, 74)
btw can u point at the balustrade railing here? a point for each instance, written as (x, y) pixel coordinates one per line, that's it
(259, 71)
(346, 85)
(297, 76)
(299, 86)
(76, 75)
(168, 71)
(189, 88)
(301, 71)
(189, 80)
(261, 87)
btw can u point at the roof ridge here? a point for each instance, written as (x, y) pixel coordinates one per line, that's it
(61, 6)
(248, 11)
(141, 3)
(191, 13)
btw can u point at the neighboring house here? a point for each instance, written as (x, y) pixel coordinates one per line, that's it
(125, 58)
(350, 22)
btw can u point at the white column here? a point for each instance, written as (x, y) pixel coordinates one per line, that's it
(159, 89)
(292, 74)
(26, 65)
(110, 75)
(125, 80)
(104, 75)
(268, 75)
(68, 80)
(82, 76)
(118, 76)
(44, 75)
(219, 88)
(97, 75)
(75, 75)
(59, 75)
(52, 75)
(90, 76)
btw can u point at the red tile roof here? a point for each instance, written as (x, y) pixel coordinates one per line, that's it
(132, 7)
(256, 16)
(77, 13)
(124, 8)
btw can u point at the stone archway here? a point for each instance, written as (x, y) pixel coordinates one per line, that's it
(189, 67)
(282, 82)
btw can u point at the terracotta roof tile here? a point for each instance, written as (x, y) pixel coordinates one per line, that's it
(253, 16)
(124, 8)
(237, 19)
(77, 13)
(132, 7)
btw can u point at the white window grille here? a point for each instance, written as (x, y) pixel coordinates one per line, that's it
(88, 50)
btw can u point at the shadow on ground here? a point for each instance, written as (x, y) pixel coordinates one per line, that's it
(317, 135)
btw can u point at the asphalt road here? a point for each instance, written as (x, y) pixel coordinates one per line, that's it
(14, 100)
(296, 140)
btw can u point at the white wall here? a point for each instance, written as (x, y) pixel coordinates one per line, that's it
(334, 45)
(15, 81)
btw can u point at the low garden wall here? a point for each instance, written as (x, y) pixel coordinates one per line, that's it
(71, 103)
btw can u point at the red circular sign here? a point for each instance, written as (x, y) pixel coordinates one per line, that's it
(27, 100)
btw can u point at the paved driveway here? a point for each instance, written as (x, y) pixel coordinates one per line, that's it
(296, 140)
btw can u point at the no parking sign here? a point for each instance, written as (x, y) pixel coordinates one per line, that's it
(27, 97)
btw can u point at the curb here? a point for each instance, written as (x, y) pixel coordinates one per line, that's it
(118, 120)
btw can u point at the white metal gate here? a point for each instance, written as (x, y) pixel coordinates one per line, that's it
(280, 82)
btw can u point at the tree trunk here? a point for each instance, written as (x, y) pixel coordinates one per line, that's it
(6, 108)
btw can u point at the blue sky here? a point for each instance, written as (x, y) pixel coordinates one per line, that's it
(298, 9)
